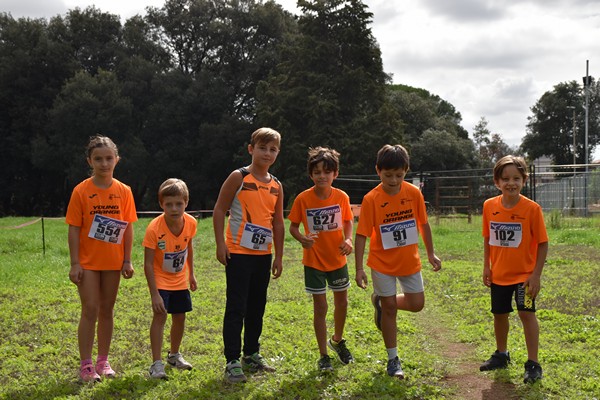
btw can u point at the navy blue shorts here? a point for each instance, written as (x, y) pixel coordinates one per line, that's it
(502, 298)
(176, 301)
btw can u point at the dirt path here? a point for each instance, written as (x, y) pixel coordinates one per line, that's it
(462, 369)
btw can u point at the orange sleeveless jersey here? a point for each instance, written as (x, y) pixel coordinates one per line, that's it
(160, 239)
(513, 235)
(87, 200)
(325, 254)
(403, 211)
(254, 204)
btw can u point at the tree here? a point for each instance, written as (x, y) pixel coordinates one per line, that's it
(328, 90)
(442, 151)
(490, 147)
(550, 127)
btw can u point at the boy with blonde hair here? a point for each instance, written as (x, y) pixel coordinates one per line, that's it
(169, 269)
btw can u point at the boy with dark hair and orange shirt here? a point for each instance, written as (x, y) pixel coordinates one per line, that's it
(392, 215)
(327, 219)
(169, 268)
(515, 247)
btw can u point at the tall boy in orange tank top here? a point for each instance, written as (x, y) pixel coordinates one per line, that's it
(515, 245)
(254, 199)
(327, 218)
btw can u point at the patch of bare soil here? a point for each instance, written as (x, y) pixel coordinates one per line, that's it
(462, 370)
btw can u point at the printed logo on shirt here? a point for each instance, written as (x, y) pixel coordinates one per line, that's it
(94, 195)
(398, 216)
(162, 244)
(384, 204)
(496, 213)
(113, 196)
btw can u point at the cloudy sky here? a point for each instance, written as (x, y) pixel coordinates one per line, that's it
(489, 58)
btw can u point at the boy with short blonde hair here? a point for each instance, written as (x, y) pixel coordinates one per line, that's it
(169, 269)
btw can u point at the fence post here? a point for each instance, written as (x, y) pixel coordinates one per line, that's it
(43, 238)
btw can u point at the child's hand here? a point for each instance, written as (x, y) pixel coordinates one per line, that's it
(346, 247)
(487, 276)
(127, 270)
(223, 253)
(435, 262)
(76, 273)
(193, 283)
(277, 268)
(361, 279)
(532, 285)
(308, 241)
(158, 305)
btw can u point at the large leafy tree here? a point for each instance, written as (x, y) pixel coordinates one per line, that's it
(550, 127)
(490, 147)
(329, 90)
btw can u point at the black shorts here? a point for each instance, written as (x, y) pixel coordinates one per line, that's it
(502, 299)
(176, 301)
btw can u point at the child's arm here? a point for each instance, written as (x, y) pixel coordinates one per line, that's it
(359, 252)
(191, 275)
(533, 282)
(435, 262)
(226, 195)
(158, 306)
(306, 241)
(487, 272)
(278, 235)
(346, 245)
(76, 272)
(127, 269)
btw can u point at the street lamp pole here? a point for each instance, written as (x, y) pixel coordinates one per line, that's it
(586, 88)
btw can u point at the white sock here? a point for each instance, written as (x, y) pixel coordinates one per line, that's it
(392, 353)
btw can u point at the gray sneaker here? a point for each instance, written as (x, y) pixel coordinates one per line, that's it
(177, 361)
(157, 370)
(256, 362)
(234, 372)
(376, 301)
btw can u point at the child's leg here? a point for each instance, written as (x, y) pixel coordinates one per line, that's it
(238, 278)
(109, 286)
(319, 321)
(177, 328)
(531, 329)
(257, 301)
(89, 293)
(413, 302)
(156, 334)
(501, 328)
(340, 300)
(388, 321)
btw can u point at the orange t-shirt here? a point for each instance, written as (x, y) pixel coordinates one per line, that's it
(325, 217)
(250, 227)
(513, 235)
(103, 215)
(393, 223)
(171, 262)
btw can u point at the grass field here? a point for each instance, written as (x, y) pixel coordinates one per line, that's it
(440, 347)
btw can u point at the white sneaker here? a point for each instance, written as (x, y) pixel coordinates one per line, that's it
(157, 370)
(177, 361)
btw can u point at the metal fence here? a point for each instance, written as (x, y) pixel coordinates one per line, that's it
(571, 190)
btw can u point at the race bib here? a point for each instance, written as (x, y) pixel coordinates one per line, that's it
(256, 237)
(399, 234)
(107, 229)
(174, 262)
(324, 219)
(505, 234)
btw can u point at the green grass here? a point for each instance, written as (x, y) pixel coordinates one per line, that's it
(40, 310)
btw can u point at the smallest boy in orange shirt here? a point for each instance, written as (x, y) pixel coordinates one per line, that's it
(327, 240)
(169, 268)
(515, 245)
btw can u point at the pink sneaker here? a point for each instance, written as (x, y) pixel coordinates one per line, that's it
(103, 369)
(87, 374)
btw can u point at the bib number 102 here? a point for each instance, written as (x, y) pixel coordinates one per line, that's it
(504, 235)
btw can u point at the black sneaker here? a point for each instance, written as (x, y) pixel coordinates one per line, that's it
(496, 361)
(533, 372)
(341, 350)
(377, 305)
(325, 364)
(394, 368)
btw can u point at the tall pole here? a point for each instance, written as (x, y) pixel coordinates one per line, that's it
(574, 144)
(586, 88)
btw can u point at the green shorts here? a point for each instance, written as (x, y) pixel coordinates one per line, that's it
(315, 281)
